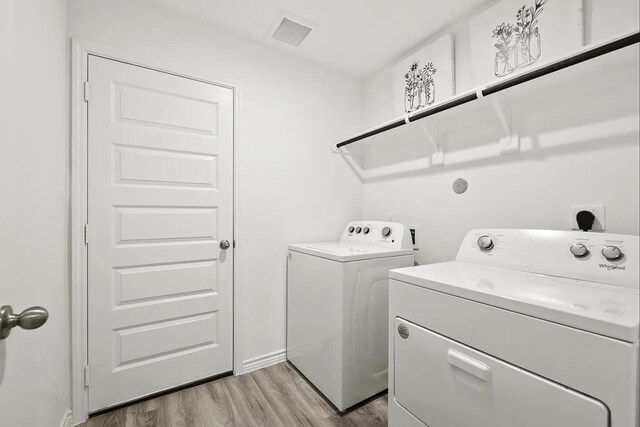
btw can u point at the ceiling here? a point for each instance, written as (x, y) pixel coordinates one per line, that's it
(354, 36)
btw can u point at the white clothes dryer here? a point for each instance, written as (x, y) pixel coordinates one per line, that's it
(525, 328)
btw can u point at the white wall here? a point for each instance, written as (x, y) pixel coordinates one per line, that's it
(290, 188)
(34, 172)
(575, 151)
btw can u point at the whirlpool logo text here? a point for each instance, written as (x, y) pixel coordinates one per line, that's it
(610, 267)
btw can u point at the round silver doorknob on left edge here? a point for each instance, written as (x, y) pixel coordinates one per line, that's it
(31, 318)
(224, 244)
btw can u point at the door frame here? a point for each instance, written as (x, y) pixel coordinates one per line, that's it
(78, 313)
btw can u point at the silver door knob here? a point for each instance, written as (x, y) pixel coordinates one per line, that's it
(224, 244)
(31, 318)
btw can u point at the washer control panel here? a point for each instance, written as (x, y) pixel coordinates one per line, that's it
(379, 233)
(596, 257)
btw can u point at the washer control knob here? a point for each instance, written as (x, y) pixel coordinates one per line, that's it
(351, 228)
(579, 250)
(365, 230)
(485, 243)
(386, 232)
(612, 253)
(358, 230)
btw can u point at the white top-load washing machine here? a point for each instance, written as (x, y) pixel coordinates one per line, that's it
(337, 308)
(526, 328)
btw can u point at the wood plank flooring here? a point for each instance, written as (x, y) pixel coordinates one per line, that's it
(274, 396)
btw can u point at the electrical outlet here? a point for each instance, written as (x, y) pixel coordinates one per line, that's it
(413, 231)
(599, 224)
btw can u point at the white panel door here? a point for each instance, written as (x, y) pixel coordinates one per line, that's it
(160, 198)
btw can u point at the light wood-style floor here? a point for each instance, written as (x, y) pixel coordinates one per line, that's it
(275, 396)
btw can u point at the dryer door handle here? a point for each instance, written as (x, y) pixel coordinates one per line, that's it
(469, 365)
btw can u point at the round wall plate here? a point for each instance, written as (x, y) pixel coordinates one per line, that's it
(460, 185)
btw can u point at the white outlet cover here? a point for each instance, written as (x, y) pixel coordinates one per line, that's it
(599, 224)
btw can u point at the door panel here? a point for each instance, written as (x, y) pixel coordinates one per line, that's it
(148, 224)
(137, 284)
(160, 183)
(146, 166)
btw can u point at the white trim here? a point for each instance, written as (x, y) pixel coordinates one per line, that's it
(67, 418)
(263, 361)
(237, 323)
(80, 50)
(79, 394)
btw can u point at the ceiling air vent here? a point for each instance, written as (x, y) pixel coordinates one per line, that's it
(291, 32)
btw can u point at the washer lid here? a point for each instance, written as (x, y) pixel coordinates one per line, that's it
(345, 252)
(603, 309)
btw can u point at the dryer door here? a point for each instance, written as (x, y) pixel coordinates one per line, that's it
(447, 384)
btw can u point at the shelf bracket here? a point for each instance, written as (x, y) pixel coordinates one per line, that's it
(509, 138)
(342, 151)
(336, 150)
(430, 129)
(348, 158)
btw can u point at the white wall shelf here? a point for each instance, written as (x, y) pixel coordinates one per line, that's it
(603, 64)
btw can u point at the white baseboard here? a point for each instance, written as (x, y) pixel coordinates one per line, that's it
(67, 419)
(263, 361)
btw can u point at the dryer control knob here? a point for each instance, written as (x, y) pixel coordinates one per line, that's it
(358, 230)
(485, 243)
(386, 232)
(579, 250)
(612, 253)
(351, 228)
(365, 230)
